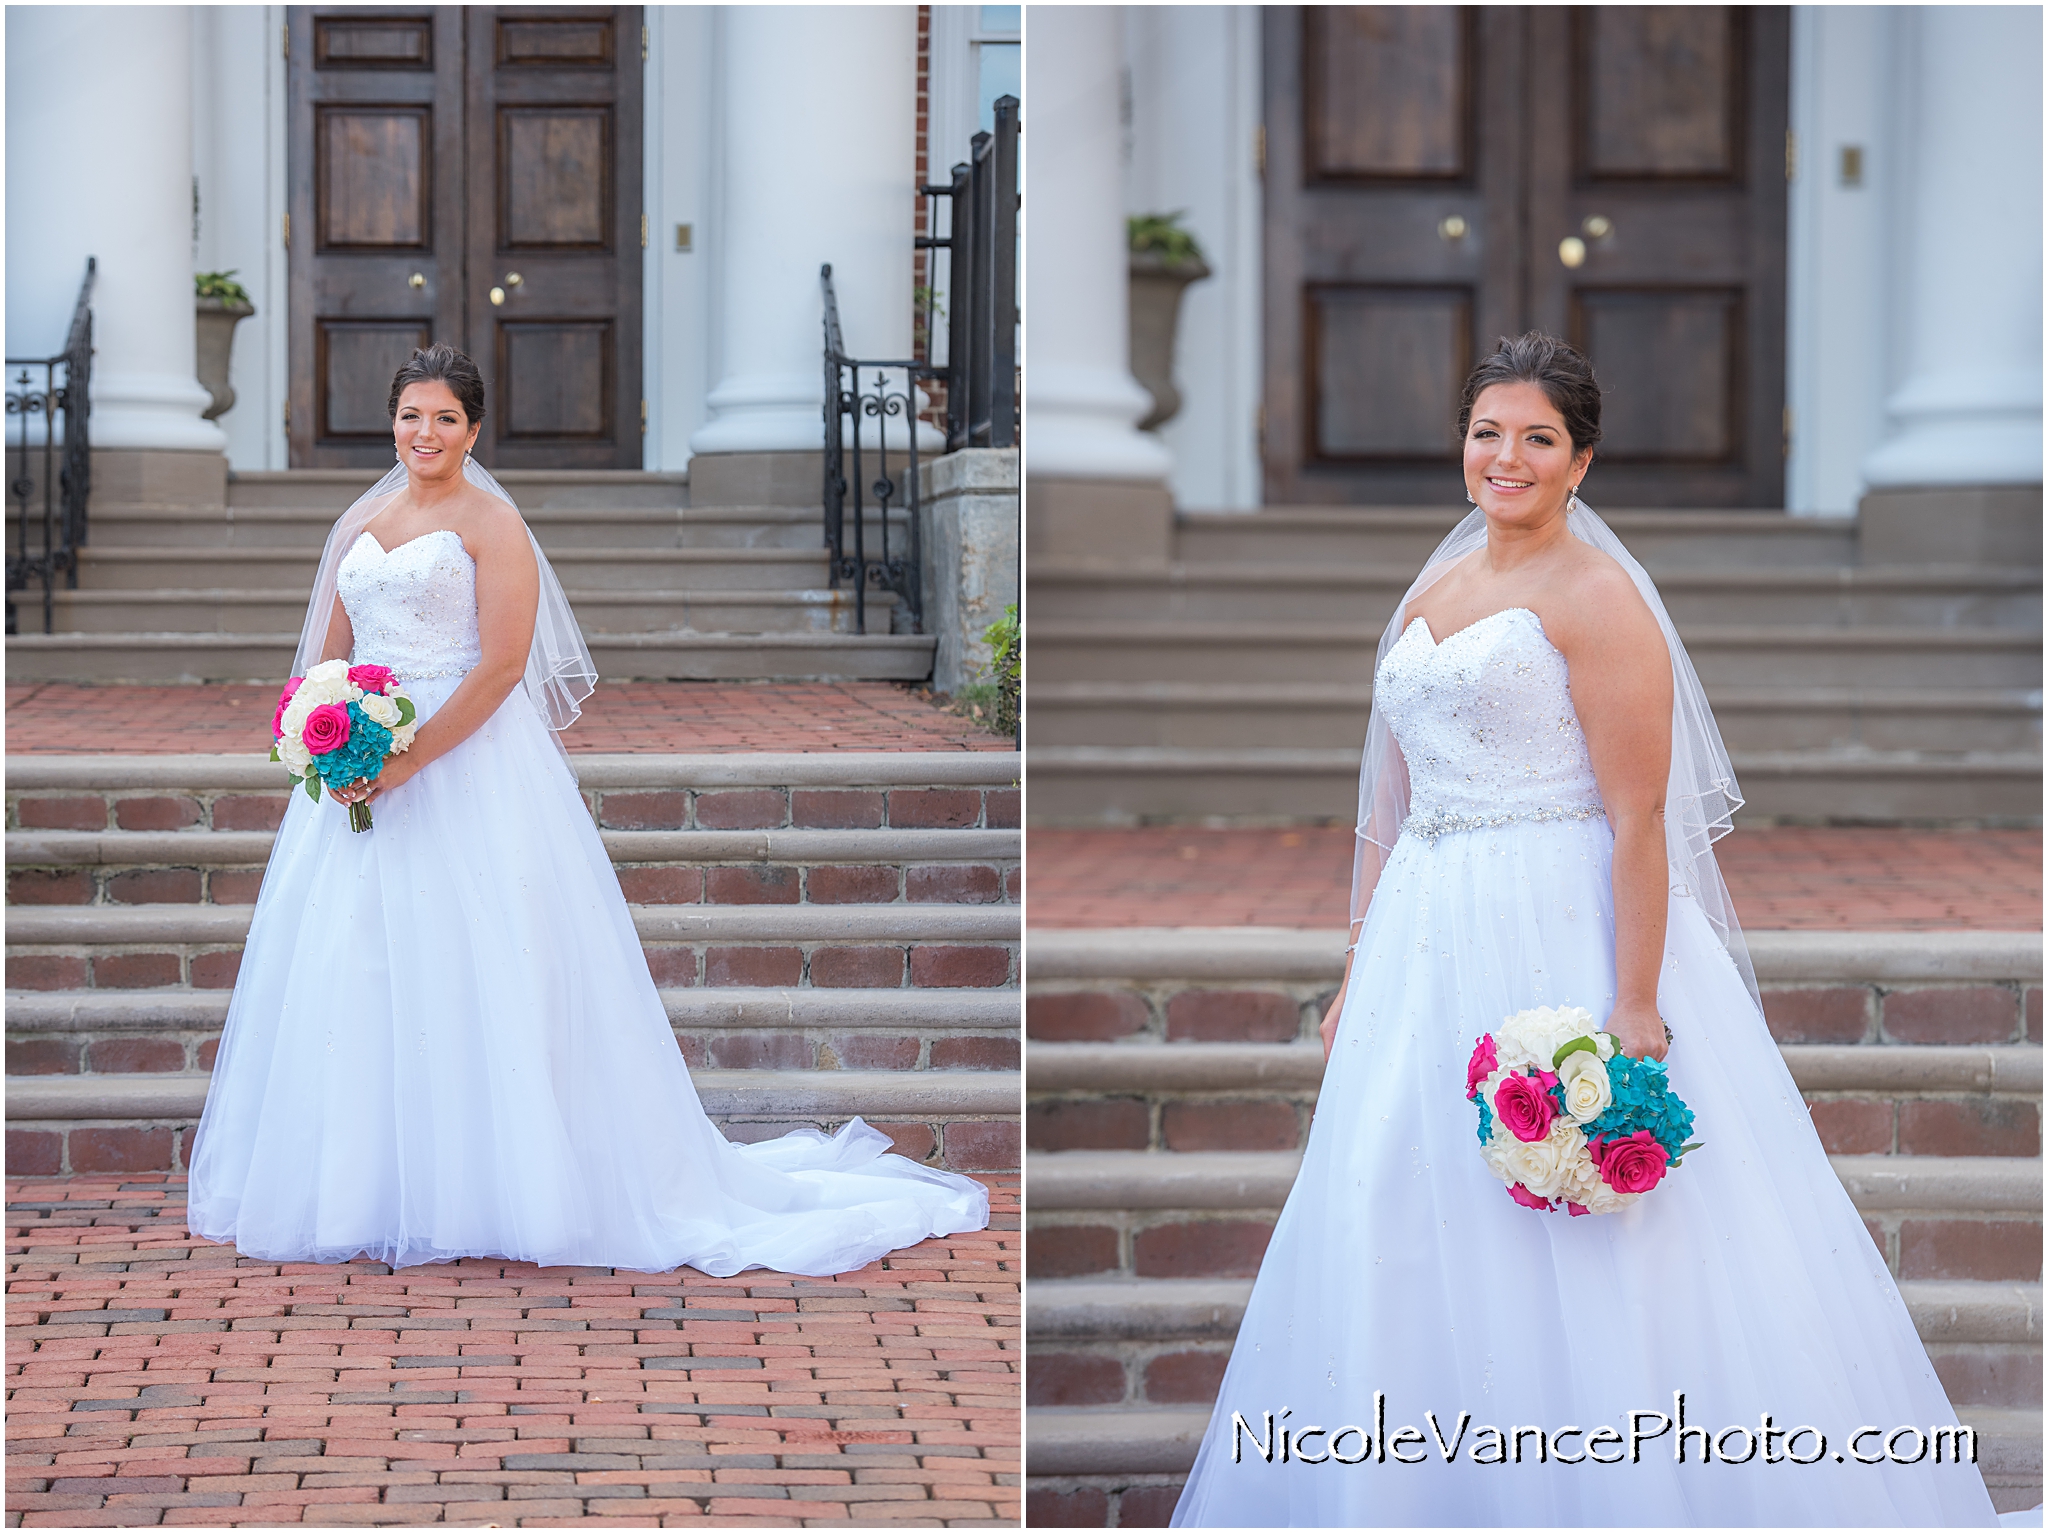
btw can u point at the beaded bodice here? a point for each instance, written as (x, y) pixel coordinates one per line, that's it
(1486, 724)
(413, 609)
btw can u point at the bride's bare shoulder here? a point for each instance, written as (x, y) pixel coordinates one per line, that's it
(1602, 604)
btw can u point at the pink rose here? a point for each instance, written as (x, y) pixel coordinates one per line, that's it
(371, 678)
(1524, 1107)
(284, 700)
(1634, 1164)
(1482, 1064)
(327, 728)
(1577, 1209)
(1526, 1198)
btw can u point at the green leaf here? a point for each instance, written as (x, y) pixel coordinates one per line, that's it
(274, 756)
(1687, 1149)
(405, 711)
(1572, 1048)
(313, 786)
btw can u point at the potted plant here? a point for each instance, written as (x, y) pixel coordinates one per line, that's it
(222, 304)
(1164, 260)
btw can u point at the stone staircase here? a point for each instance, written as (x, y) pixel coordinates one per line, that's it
(213, 590)
(1173, 1073)
(1233, 679)
(833, 933)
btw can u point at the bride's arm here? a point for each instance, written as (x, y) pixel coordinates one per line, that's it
(1621, 688)
(507, 596)
(341, 635)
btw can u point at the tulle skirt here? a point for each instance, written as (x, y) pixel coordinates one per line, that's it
(444, 1042)
(1401, 1272)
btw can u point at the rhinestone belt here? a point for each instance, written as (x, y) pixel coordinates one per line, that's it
(1431, 823)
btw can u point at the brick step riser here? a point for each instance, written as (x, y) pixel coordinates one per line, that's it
(1341, 726)
(1167, 1372)
(1182, 1243)
(766, 807)
(831, 612)
(1257, 541)
(1065, 795)
(1849, 1122)
(1176, 1012)
(108, 581)
(667, 883)
(784, 965)
(1252, 602)
(1057, 657)
(48, 1149)
(174, 1050)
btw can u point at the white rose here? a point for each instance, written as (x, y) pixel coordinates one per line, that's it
(381, 710)
(1587, 1092)
(401, 739)
(291, 750)
(294, 721)
(1539, 1165)
(1584, 1187)
(328, 674)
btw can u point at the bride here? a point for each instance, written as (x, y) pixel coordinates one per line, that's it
(1542, 782)
(444, 1040)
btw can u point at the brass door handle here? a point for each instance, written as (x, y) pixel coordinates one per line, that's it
(1571, 250)
(417, 279)
(513, 279)
(497, 295)
(1452, 228)
(1598, 226)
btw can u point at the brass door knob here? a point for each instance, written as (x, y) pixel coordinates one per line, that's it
(417, 279)
(497, 295)
(1452, 228)
(1572, 251)
(1598, 226)
(513, 279)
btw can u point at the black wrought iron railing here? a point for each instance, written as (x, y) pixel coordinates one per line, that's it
(872, 407)
(49, 472)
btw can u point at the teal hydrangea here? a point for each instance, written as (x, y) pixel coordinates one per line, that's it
(1643, 1099)
(1485, 1121)
(362, 755)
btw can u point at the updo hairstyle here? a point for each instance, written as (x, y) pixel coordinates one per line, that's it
(1557, 367)
(442, 363)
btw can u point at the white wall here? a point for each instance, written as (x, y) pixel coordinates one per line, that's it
(238, 159)
(1195, 101)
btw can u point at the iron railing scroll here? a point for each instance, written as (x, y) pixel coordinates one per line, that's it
(866, 402)
(862, 399)
(49, 498)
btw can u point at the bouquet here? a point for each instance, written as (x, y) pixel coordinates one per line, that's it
(1566, 1118)
(338, 723)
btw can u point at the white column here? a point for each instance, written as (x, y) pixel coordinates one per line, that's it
(1967, 410)
(99, 162)
(817, 123)
(1081, 403)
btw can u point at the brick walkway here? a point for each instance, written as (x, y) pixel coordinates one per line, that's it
(63, 718)
(155, 1378)
(1784, 878)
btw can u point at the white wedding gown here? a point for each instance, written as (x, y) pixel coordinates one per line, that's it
(444, 1040)
(1401, 1265)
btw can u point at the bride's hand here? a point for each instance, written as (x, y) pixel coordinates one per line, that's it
(1638, 1031)
(1329, 1027)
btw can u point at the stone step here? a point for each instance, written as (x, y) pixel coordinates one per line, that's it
(663, 867)
(278, 574)
(1164, 1341)
(959, 1118)
(304, 529)
(1240, 592)
(1865, 1098)
(1096, 784)
(1405, 537)
(1757, 656)
(118, 1032)
(1210, 1214)
(231, 612)
(1203, 715)
(334, 488)
(676, 655)
(1143, 986)
(133, 947)
(1115, 1466)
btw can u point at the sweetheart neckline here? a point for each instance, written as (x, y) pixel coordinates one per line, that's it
(389, 552)
(1435, 643)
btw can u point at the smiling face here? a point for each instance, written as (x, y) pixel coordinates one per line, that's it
(431, 430)
(1519, 463)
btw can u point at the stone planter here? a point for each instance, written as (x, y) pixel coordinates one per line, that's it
(217, 318)
(1156, 290)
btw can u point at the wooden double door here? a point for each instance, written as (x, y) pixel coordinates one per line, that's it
(1440, 176)
(469, 175)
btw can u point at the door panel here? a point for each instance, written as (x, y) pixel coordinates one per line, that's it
(1385, 125)
(459, 147)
